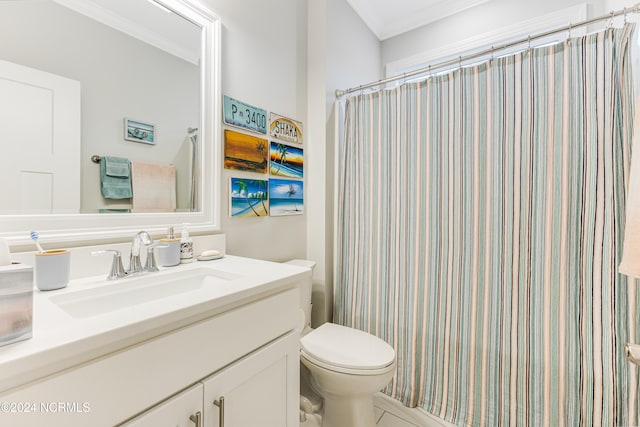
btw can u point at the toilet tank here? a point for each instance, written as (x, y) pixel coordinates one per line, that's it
(305, 290)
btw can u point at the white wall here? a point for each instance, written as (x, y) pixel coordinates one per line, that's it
(353, 53)
(342, 52)
(120, 76)
(483, 19)
(264, 64)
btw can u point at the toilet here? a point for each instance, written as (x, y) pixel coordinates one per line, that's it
(347, 367)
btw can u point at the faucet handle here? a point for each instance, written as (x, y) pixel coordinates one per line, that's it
(151, 264)
(117, 269)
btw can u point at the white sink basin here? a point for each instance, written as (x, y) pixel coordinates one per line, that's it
(129, 292)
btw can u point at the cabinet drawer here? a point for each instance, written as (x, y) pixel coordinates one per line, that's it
(178, 411)
(111, 389)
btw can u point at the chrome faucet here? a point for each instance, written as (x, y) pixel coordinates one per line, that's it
(135, 265)
(117, 270)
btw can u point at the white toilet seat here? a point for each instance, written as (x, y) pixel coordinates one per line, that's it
(347, 350)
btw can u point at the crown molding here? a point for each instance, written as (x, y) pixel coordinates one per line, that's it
(129, 27)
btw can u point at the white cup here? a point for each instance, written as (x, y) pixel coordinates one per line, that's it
(169, 256)
(52, 269)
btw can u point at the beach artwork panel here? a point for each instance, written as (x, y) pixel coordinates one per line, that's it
(137, 131)
(245, 152)
(286, 197)
(286, 160)
(249, 198)
(284, 128)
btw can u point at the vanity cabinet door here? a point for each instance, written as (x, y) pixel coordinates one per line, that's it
(182, 410)
(261, 389)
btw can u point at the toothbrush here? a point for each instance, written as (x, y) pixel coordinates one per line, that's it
(34, 236)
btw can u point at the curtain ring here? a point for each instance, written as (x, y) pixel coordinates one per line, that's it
(493, 51)
(569, 34)
(529, 42)
(610, 22)
(624, 11)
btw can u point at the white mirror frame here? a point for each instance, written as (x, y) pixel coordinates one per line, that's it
(85, 227)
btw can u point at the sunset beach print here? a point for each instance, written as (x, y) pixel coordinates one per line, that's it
(245, 152)
(286, 160)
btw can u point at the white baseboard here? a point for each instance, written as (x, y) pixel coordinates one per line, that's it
(415, 416)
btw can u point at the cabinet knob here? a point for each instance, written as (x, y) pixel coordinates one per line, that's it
(196, 419)
(220, 404)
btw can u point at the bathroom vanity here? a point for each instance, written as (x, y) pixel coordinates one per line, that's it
(204, 344)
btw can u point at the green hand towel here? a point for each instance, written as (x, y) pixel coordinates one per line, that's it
(115, 178)
(117, 167)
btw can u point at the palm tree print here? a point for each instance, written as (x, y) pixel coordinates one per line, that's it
(282, 153)
(291, 192)
(243, 189)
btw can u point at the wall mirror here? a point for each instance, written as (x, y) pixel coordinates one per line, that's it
(83, 82)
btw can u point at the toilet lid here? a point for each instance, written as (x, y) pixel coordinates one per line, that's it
(339, 346)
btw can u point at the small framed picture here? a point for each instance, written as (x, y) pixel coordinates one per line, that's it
(137, 131)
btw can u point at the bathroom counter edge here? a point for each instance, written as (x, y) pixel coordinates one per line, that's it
(61, 342)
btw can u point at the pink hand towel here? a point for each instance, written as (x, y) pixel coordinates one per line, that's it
(154, 187)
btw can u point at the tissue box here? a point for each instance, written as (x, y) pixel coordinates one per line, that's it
(16, 303)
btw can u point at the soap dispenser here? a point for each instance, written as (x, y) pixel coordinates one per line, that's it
(186, 245)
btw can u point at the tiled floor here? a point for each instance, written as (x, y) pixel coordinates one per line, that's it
(387, 419)
(389, 412)
(393, 415)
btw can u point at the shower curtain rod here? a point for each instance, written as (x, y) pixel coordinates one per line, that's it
(529, 39)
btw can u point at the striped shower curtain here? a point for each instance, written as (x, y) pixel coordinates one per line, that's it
(480, 227)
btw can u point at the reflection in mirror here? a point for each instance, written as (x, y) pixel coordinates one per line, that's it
(169, 102)
(72, 72)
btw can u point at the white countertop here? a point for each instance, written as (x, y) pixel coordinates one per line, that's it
(61, 341)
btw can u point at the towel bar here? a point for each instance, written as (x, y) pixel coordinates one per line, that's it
(95, 158)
